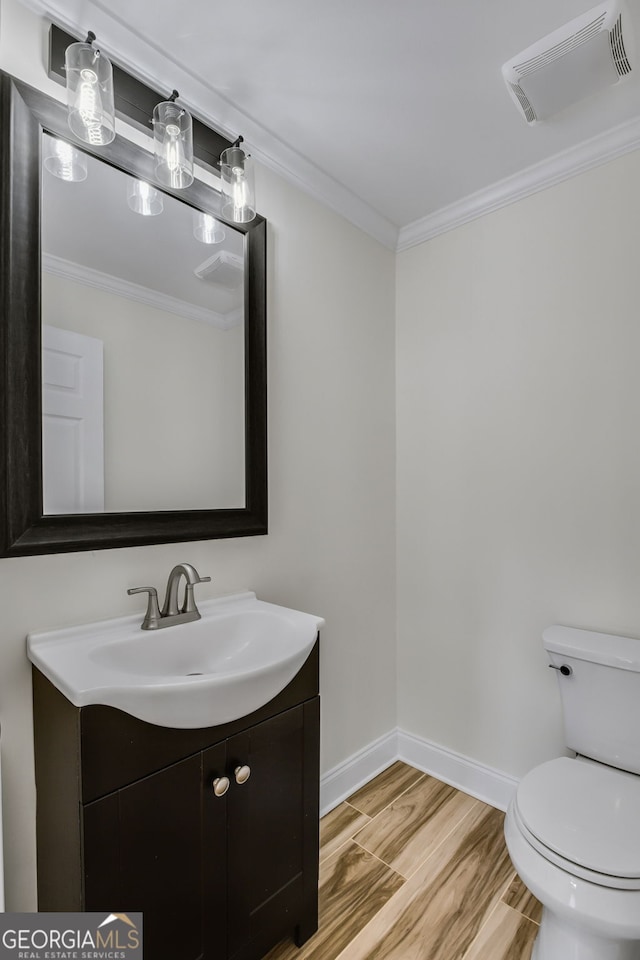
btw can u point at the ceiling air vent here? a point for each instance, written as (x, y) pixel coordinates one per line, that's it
(223, 268)
(575, 61)
(618, 51)
(527, 109)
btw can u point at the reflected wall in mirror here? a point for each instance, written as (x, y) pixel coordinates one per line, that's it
(160, 314)
(143, 348)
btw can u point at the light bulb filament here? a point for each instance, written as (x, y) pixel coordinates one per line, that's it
(89, 105)
(239, 190)
(174, 153)
(65, 156)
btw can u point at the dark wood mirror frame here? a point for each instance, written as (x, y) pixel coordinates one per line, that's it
(24, 114)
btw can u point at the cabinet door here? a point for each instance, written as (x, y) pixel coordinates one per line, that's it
(146, 850)
(266, 833)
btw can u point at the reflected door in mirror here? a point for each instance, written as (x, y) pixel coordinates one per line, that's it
(72, 422)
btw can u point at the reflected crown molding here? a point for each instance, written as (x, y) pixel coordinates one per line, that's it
(134, 291)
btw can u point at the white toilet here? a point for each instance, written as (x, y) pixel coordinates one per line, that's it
(573, 827)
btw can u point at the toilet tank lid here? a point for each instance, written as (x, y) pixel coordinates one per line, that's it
(609, 649)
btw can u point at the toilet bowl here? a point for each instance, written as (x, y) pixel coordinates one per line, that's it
(572, 831)
(573, 827)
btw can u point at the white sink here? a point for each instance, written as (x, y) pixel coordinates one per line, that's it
(239, 656)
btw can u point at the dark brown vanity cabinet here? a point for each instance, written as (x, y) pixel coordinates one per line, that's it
(129, 820)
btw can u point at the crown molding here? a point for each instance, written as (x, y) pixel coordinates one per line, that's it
(132, 51)
(592, 153)
(134, 291)
(333, 195)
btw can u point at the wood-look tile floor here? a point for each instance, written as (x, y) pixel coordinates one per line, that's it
(413, 869)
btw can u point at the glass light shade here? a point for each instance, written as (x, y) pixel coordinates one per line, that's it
(206, 228)
(144, 199)
(238, 190)
(173, 136)
(92, 115)
(64, 161)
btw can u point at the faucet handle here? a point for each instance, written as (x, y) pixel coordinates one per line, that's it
(189, 605)
(152, 617)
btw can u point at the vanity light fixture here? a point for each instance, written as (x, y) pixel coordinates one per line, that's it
(89, 74)
(144, 199)
(238, 189)
(178, 137)
(206, 228)
(64, 161)
(173, 137)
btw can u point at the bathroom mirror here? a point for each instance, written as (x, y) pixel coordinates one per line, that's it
(142, 344)
(161, 313)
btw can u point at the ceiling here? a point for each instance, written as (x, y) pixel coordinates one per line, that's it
(394, 114)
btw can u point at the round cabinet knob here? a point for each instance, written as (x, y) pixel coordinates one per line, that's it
(220, 786)
(242, 773)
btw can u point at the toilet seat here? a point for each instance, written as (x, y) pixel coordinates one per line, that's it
(584, 817)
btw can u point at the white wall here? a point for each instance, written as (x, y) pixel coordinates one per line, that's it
(518, 472)
(167, 380)
(331, 547)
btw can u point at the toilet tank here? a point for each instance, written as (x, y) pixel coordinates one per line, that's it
(601, 694)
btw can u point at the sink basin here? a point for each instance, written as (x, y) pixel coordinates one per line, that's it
(239, 656)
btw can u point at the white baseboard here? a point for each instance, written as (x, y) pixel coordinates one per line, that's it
(485, 783)
(341, 781)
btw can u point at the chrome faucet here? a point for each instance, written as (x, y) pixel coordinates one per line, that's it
(156, 619)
